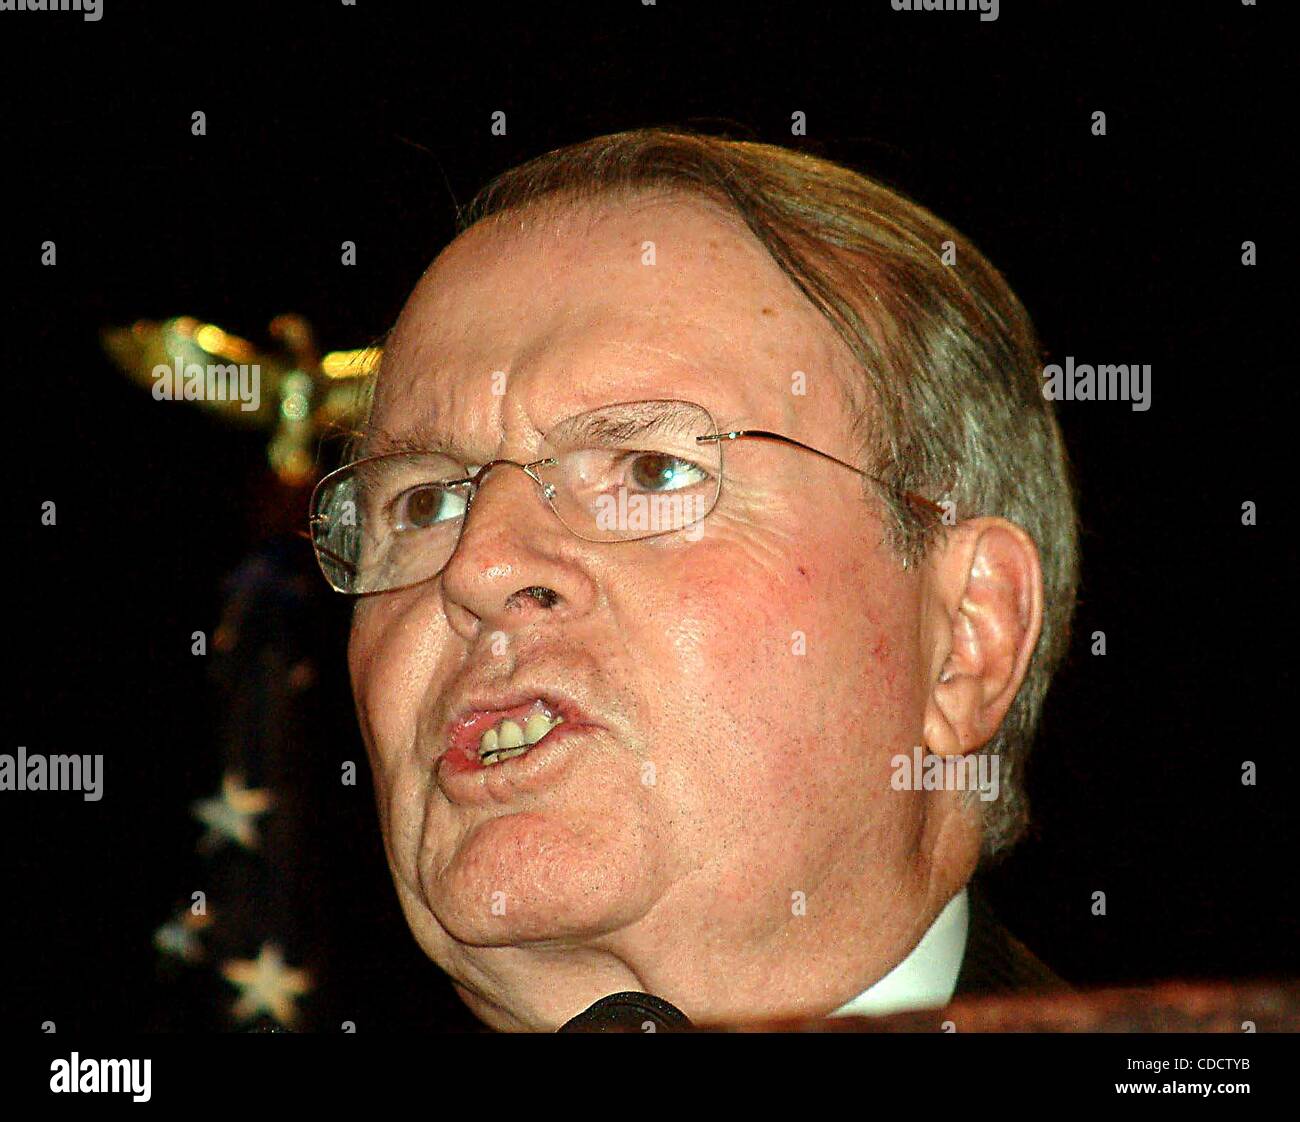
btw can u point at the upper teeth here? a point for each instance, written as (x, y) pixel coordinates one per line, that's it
(509, 738)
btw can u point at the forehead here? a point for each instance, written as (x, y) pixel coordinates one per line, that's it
(540, 314)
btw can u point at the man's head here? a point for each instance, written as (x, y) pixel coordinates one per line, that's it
(720, 827)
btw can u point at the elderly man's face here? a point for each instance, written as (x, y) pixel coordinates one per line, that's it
(722, 832)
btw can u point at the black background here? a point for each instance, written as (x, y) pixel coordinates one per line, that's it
(329, 123)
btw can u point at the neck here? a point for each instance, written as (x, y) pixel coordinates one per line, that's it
(823, 951)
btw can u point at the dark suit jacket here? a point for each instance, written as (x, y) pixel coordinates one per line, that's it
(996, 962)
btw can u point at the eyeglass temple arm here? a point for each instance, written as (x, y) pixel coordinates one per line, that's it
(328, 553)
(911, 496)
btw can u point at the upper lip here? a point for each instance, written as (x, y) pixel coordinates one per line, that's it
(480, 711)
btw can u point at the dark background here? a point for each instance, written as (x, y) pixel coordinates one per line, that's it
(328, 123)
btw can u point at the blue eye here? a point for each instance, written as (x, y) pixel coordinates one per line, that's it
(421, 507)
(665, 472)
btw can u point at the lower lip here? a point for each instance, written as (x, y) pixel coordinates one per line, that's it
(465, 780)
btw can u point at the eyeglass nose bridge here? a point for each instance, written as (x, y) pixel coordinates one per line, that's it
(475, 481)
(547, 490)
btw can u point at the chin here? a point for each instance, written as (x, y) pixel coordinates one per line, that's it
(520, 878)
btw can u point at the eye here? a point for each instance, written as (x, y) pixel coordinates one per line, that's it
(420, 507)
(661, 471)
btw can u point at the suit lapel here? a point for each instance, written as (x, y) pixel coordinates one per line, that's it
(996, 962)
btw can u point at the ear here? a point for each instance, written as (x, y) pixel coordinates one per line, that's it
(982, 618)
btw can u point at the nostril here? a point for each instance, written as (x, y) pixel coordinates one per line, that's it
(545, 596)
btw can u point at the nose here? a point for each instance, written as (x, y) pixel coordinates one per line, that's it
(515, 561)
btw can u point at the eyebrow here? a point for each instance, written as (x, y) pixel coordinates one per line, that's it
(379, 441)
(637, 420)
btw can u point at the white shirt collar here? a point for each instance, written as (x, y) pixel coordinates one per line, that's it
(926, 978)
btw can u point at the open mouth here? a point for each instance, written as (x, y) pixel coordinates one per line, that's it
(509, 738)
(488, 738)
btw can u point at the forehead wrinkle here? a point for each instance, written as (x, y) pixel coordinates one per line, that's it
(756, 388)
(805, 340)
(639, 381)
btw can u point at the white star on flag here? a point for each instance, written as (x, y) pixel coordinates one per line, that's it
(231, 814)
(266, 983)
(179, 936)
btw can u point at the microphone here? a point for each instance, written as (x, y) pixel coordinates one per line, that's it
(629, 1011)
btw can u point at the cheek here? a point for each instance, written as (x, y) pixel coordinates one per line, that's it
(784, 693)
(729, 617)
(869, 612)
(742, 655)
(390, 659)
(728, 611)
(820, 652)
(877, 608)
